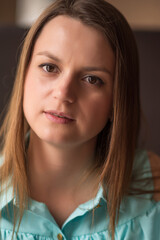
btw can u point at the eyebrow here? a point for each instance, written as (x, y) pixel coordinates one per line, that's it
(49, 55)
(89, 69)
(97, 69)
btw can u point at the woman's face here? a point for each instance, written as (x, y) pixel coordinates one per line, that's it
(68, 87)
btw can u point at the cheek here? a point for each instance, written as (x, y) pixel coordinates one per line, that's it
(29, 93)
(96, 113)
(32, 89)
(30, 97)
(101, 107)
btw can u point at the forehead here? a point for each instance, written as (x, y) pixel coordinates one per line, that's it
(66, 36)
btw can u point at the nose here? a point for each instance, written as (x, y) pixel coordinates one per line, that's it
(64, 89)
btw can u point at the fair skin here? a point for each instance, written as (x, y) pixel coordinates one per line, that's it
(67, 102)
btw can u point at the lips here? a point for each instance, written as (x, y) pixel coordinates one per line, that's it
(59, 114)
(59, 117)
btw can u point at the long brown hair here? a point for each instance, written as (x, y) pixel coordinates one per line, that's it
(117, 142)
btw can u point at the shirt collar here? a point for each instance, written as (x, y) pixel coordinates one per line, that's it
(93, 203)
(7, 195)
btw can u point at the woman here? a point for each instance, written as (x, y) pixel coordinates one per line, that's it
(70, 167)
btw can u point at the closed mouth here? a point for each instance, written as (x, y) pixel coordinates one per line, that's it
(59, 115)
(56, 115)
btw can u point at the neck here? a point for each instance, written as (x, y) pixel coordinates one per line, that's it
(57, 169)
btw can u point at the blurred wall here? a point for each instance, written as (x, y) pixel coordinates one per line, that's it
(141, 14)
(7, 11)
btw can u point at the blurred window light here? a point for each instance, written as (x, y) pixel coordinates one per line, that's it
(27, 11)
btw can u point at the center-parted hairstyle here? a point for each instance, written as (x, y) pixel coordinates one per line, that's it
(117, 141)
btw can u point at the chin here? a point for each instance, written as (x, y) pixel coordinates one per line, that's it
(55, 139)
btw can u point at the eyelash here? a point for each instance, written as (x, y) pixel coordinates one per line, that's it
(53, 66)
(97, 79)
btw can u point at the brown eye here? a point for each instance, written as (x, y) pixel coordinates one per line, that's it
(50, 68)
(93, 80)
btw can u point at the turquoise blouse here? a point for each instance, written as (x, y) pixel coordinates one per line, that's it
(139, 217)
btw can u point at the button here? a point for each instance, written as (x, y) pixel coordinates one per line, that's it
(97, 206)
(59, 237)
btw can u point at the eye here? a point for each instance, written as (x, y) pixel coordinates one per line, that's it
(49, 68)
(94, 80)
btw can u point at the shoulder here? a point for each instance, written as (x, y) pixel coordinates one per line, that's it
(140, 214)
(154, 160)
(139, 219)
(146, 173)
